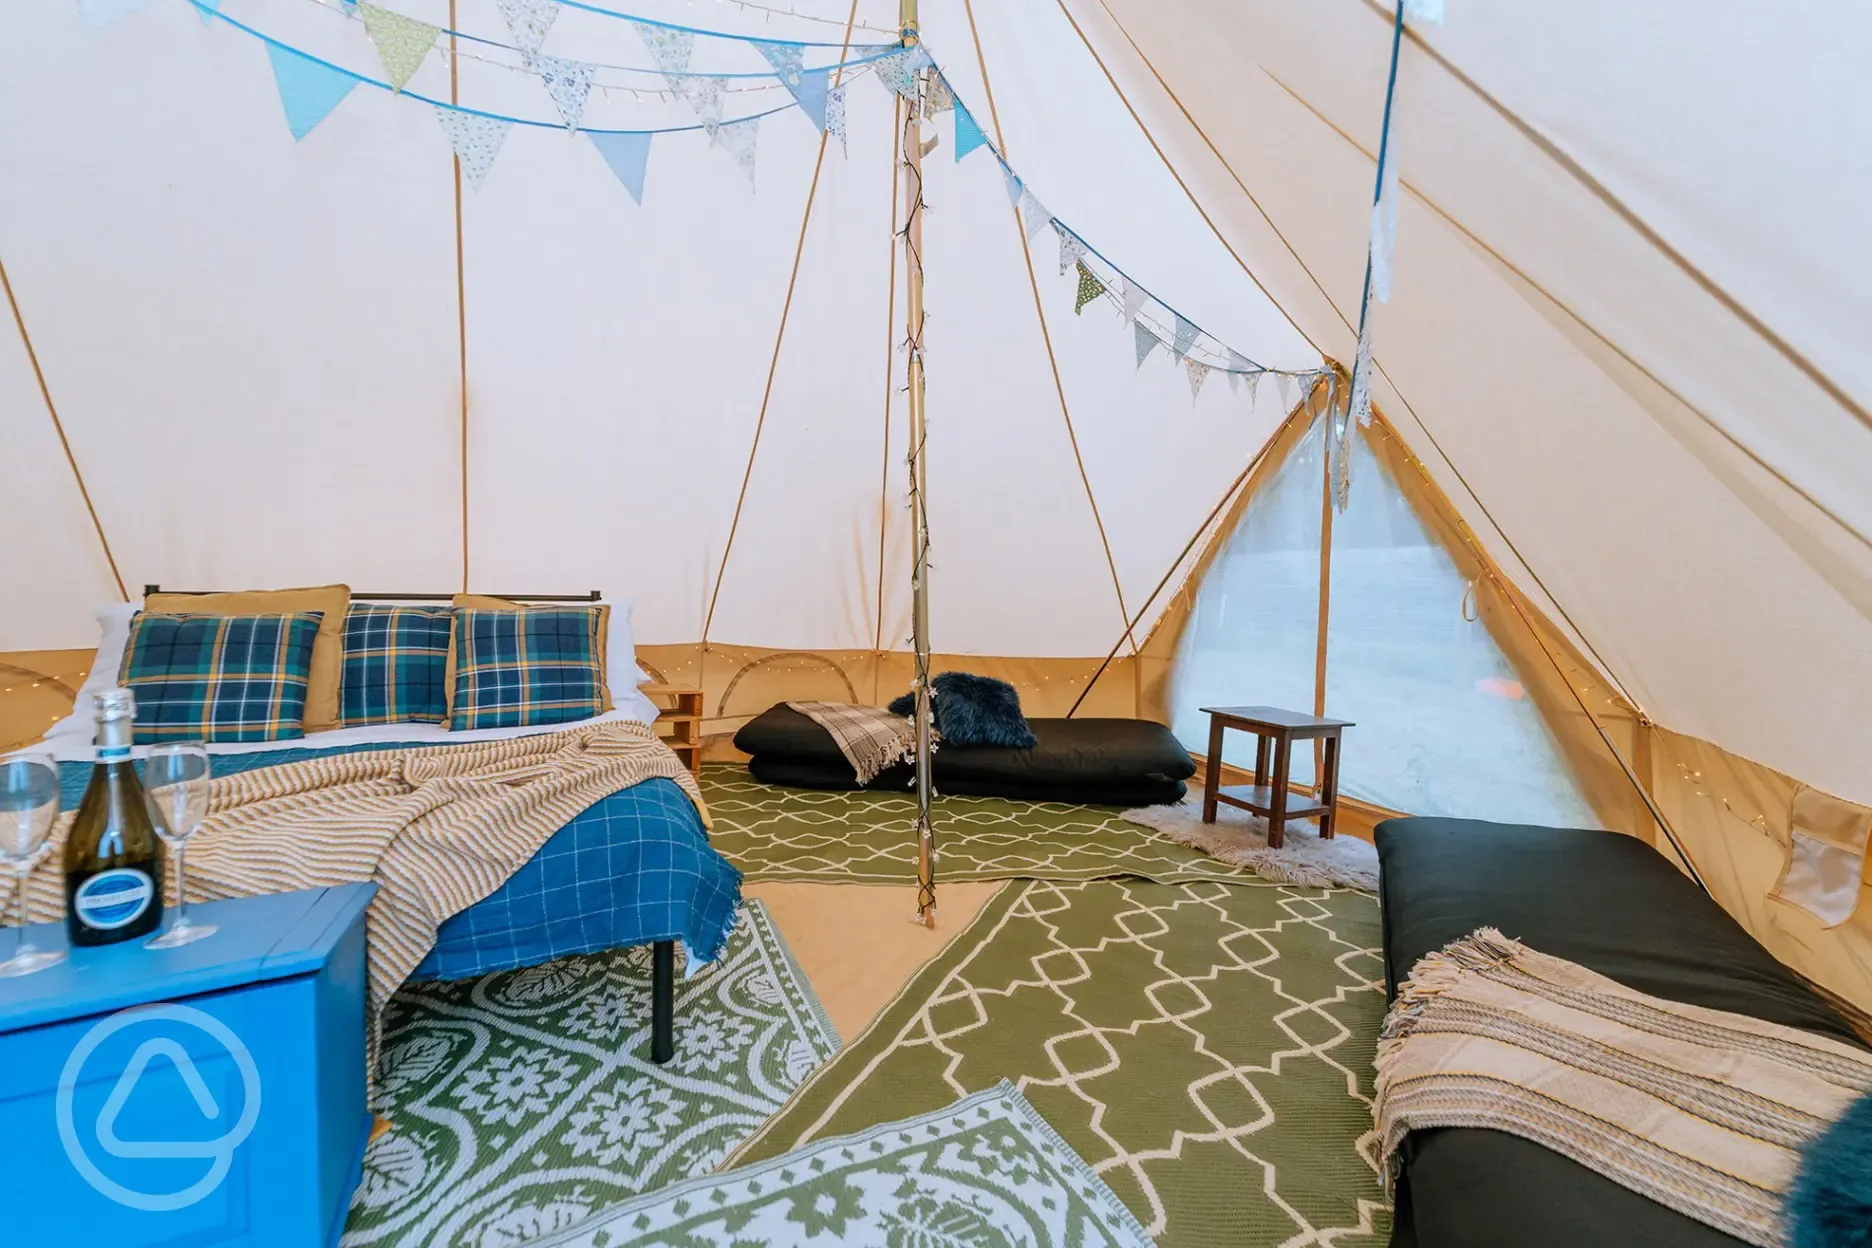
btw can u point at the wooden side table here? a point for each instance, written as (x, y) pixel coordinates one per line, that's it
(679, 710)
(1276, 731)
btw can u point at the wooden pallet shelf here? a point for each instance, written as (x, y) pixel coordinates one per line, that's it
(679, 721)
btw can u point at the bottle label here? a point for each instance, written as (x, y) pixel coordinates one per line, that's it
(113, 899)
(113, 753)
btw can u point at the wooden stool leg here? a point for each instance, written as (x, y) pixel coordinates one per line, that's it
(1329, 789)
(1261, 759)
(1277, 799)
(1212, 770)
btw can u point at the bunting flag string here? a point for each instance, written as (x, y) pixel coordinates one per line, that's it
(308, 89)
(1198, 373)
(528, 21)
(567, 82)
(1090, 288)
(968, 135)
(739, 139)
(628, 156)
(1146, 341)
(1185, 337)
(1071, 248)
(476, 139)
(402, 43)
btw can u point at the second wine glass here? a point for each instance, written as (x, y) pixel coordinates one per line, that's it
(176, 779)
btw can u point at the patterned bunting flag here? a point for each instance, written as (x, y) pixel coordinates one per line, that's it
(786, 59)
(1071, 248)
(704, 98)
(738, 139)
(402, 42)
(568, 82)
(476, 139)
(1285, 382)
(898, 72)
(668, 47)
(1185, 338)
(529, 20)
(1134, 298)
(1361, 377)
(968, 135)
(939, 98)
(835, 115)
(1254, 383)
(628, 155)
(1198, 373)
(1014, 185)
(1090, 288)
(308, 89)
(1147, 341)
(1238, 366)
(1034, 213)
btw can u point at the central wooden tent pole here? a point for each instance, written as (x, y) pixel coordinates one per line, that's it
(919, 513)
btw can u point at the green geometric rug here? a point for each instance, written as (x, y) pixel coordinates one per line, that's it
(1206, 1048)
(863, 837)
(984, 1172)
(524, 1102)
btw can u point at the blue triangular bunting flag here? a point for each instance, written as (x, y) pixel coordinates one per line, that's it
(308, 89)
(809, 90)
(968, 135)
(628, 155)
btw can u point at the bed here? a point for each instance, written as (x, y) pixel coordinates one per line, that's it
(636, 868)
(1607, 902)
(1107, 762)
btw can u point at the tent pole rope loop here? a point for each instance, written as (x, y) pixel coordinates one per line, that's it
(58, 427)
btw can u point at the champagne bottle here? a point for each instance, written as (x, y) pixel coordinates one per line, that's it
(113, 861)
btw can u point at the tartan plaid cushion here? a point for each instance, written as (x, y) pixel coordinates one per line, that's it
(531, 665)
(219, 677)
(395, 665)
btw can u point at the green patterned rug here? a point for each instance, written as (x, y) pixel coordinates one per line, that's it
(861, 837)
(1206, 1048)
(523, 1104)
(986, 1172)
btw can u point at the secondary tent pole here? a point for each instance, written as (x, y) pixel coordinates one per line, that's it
(919, 512)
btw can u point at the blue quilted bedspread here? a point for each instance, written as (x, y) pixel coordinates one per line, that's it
(637, 867)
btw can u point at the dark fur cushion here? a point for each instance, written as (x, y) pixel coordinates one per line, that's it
(1830, 1202)
(973, 710)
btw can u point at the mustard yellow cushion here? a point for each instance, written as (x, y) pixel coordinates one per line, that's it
(482, 602)
(322, 710)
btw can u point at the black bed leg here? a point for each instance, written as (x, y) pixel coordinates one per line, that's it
(662, 1001)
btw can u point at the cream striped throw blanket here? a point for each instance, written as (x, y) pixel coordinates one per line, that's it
(1698, 1109)
(870, 737)
(437, 828)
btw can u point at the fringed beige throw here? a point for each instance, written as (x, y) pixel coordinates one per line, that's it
(870, 737)
(1697, 1109)
(436, 828)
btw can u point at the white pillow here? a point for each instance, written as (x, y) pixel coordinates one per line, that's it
(621, 651)
(113, 640)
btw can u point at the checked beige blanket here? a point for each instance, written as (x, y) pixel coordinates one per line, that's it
(1698, 1109)
(870, 737)
(436, 828)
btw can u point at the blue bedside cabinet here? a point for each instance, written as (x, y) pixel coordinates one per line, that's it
(201, 1097)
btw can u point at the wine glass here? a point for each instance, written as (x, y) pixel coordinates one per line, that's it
(29, 805)
(175, 778)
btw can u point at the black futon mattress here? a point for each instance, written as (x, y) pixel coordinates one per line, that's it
(1114, 762)
(1605, 901)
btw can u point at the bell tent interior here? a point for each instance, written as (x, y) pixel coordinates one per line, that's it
(1480, 376)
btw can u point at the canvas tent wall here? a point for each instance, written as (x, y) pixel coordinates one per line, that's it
(1619, 360)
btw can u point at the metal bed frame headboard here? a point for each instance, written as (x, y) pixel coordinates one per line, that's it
(590, 595)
